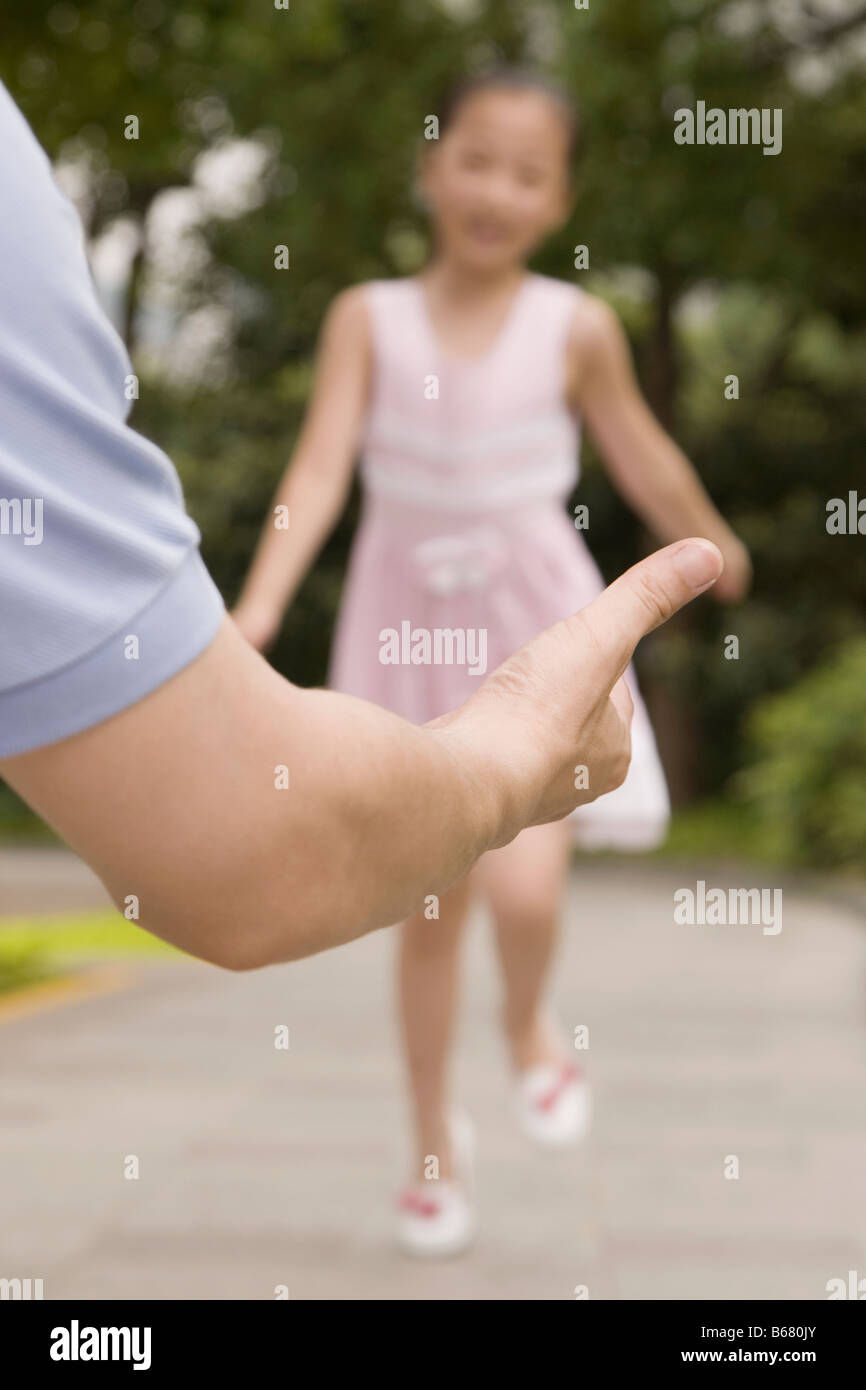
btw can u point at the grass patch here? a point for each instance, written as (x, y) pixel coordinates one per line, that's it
(33, 949)
(709, 830)
(718, 830)
(23, 966)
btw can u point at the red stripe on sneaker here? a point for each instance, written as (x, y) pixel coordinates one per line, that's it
(421, 1206)
(568, 1073)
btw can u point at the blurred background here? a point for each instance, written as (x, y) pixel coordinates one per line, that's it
(261, 127)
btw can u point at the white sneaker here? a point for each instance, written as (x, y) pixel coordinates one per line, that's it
(553, 1104)
(437, 1216)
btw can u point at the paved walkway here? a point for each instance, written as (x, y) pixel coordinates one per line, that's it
(41, 880)
(260, 1168)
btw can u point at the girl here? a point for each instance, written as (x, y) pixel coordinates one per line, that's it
(464, 385)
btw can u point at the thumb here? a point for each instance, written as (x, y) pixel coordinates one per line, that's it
(645, 597)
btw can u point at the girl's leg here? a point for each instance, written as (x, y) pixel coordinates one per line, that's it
(427, 975)
(524, 883)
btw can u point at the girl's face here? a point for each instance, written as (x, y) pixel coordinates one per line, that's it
(496, 181)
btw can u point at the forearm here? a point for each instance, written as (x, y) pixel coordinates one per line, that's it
(393, 814)
(667, 494)
(312, 501)
(182, 802)
(314, 488)
(649, 469)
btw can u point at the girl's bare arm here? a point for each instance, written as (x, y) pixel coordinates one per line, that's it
(649, 469)
(316, 482)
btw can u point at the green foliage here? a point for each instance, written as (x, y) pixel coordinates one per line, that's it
(17, 821)
(807, 773)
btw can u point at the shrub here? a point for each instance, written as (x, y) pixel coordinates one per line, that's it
(807, 777)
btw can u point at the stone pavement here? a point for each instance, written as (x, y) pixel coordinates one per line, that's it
(261, 1167)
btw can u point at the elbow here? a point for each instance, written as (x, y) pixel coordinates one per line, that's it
(250, 941)
(279, 941)
(260, 934)
(240, 913)
(237, 954)
(232, 935)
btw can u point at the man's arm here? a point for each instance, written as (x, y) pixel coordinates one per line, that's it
(256, 822)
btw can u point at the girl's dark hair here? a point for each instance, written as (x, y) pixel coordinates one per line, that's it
(515, 79)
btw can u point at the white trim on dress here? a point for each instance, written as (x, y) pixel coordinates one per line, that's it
(554, 479)
(391, 433)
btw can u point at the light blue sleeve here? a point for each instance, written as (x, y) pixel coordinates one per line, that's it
(103, 593)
